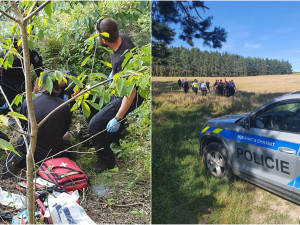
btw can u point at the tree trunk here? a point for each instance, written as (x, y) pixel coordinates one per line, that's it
(33, 126)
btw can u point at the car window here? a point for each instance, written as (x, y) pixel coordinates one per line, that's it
(282, 116)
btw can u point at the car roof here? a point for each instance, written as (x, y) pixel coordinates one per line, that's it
(290, 96)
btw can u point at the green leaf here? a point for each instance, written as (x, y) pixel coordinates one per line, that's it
(28, 29)
(13, 29)
(85, 109)
(105, 34)
(49, 84)
(106, 97)
(96, 106)
(101, 102)
(48, 9)
(7, 146)
(1, 62)
(76, 37)
(76, 81)
(30, 44)
(19, 42)
(144, 81)
(99, 75)
(10, 59)
(75, 106)
(120, 84)
(41, 79)
(5, 64)
(41, 35)
(17, 115)
(16, 100)
(108, 50)
(128, 55)
(90, 47)
(58, 76)
(92, 38)
(85, 60)
(106, 63)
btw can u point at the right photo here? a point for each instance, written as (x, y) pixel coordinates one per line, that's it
(225, 112)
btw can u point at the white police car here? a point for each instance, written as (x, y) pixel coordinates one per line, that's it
(261, 147)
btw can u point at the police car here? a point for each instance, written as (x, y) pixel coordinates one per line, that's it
(261, 147)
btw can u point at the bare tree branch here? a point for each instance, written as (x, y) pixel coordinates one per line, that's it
(9, 16)
(32, 8)
(16, 11)
(198, 14)
(37, 10)
(17, 120)
(188, 15)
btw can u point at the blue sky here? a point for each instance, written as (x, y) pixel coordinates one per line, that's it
(265, 29)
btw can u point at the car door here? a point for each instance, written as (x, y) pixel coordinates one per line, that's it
(268, 148)
(296, 182)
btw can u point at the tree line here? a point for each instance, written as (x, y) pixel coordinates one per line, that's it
(182, 61)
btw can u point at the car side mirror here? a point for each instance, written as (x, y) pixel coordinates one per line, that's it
(246, 123)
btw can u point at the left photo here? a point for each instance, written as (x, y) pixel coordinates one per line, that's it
(75, 127)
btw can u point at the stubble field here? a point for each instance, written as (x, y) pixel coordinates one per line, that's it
(182, 191)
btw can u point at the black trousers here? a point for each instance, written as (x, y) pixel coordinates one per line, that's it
(104, 139)
(20, 161)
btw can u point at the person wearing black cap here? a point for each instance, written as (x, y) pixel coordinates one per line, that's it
(50, 136)
(111, 115)
(12, 80)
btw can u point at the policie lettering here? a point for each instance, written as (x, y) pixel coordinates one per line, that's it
(262, 160)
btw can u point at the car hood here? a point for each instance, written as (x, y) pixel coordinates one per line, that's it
(229, 119)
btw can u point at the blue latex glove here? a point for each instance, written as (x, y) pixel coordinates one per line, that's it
(113, 126)
(110, 76)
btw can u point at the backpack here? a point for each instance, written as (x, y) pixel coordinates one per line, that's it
(64, 173)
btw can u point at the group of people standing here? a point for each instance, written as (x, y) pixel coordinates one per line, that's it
(226, 88)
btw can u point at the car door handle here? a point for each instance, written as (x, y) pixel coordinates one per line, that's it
(287, 150)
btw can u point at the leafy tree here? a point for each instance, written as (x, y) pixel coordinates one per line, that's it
(193, 62)
(193, 26)
(35, 22)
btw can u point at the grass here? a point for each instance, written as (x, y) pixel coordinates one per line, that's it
(182, 191)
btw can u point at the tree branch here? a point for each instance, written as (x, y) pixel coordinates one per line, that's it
(37, 10)
(198, 14)
(16, 11)
(9, 16)
(32, 8)
(72, 99)
(184, 9)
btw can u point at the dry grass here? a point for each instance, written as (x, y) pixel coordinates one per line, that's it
(182, 191)
(259, 84)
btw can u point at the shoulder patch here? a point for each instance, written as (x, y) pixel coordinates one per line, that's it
(36, 58)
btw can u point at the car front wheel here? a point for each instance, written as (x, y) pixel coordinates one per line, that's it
(216, 161)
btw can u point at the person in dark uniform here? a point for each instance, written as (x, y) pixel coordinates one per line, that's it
(179, 83)
(220, 88)
(216, 84)
(185, 86)
(207, 85)
(50, 139)
(12, 80)
(231, 88)
(109, 117)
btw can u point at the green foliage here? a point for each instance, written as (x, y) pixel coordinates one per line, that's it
(181, 61)
(64, 36)
(5, 145)
(134, 148)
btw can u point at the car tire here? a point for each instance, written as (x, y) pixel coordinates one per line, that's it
(216, 161)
